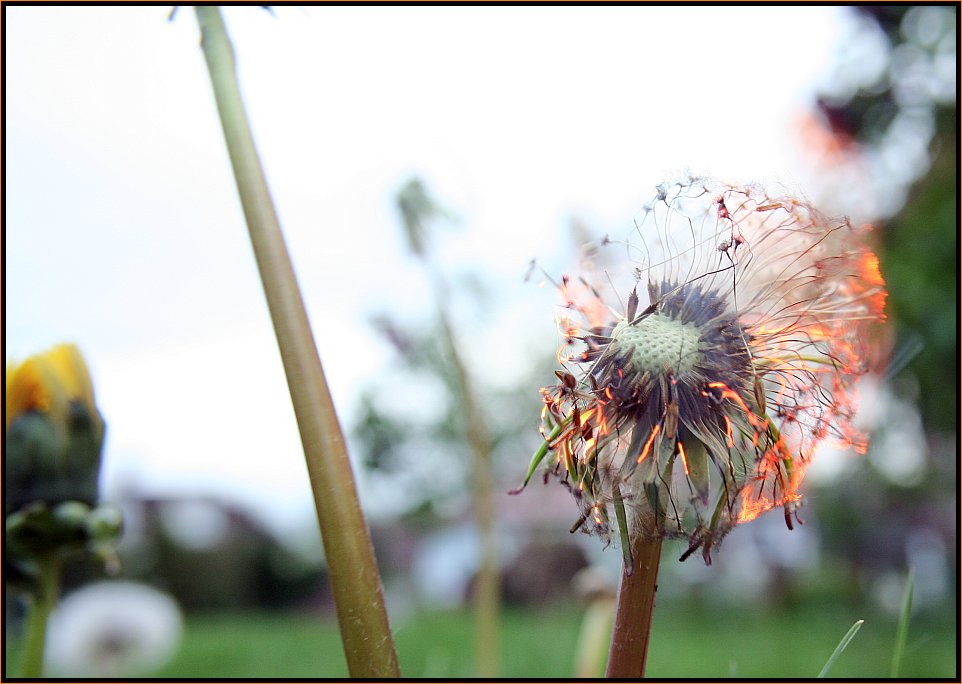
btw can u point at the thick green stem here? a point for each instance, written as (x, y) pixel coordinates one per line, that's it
(355, 582)
(41, 605)
(636, 604)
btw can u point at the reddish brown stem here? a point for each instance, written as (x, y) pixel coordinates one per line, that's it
(636, 603)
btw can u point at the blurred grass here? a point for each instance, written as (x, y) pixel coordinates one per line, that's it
(795, 643)
(687, 642)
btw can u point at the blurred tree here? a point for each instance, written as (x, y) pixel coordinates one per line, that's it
(901, 120)
(911, 105)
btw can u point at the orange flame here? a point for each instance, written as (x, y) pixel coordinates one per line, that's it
(651, 438)
(597, 512)
(588, 445)
(734, 396)
(752, 508)
(684, 461)
(869, 270)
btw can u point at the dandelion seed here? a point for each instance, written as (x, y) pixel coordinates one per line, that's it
(704, 409)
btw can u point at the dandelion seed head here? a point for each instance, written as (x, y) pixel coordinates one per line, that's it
(658, 342)
(699, 397)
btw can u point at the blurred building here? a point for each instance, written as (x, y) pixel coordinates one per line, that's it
(210, 555)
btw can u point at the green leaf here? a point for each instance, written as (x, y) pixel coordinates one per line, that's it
(537, 458)
(622, 527)
(849, 635)
(696, 456)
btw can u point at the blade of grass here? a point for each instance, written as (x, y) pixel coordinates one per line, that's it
(849, 635)
(903, 629)
(355, 582)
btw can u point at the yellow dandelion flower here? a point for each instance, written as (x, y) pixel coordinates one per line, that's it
(53, 432)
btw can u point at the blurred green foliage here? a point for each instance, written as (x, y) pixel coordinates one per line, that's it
(869, 517)
(920, 264)
(919, 255)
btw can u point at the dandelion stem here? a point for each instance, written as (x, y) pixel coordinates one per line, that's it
(355, 583)
(41, 605)
(636, 603)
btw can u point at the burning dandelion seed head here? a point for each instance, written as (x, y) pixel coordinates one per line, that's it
(691, 399)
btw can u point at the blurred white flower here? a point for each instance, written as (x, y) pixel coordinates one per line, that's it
(113, 629)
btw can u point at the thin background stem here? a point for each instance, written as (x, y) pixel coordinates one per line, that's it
(355, 583)
(903, 628)
(487, 591)
(636, 603)
(416, 208)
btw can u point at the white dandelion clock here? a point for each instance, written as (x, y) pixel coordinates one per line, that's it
(113, 629)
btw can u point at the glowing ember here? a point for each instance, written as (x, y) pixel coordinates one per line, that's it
(736, 364)
(684, 460)
(651, 438)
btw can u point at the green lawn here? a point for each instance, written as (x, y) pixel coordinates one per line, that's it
(686, 643)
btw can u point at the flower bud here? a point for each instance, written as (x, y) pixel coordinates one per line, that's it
(53, 431)
(103, 523)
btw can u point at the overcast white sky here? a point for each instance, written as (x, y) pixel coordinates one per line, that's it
(124, 233)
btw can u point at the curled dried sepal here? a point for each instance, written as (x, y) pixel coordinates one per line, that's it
(702, 411)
